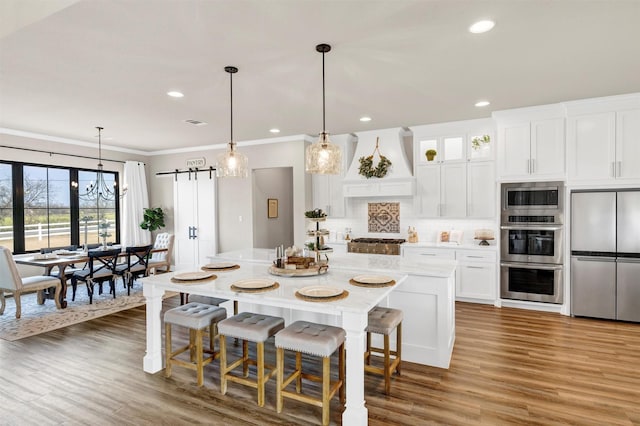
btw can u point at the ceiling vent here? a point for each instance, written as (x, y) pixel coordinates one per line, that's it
(196, 122)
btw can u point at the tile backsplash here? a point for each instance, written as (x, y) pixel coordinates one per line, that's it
(384, 217)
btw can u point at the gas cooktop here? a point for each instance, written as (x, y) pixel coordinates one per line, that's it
(375, 245)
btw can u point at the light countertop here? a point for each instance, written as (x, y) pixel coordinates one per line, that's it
(359, 261)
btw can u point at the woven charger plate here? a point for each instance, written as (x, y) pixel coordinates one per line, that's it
(255, 290)
(193, 277)
(340, 296)
(387, 284)
(221, 266)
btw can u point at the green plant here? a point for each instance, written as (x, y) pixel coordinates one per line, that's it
(480, 141)
(431, 152)
(153, 219)
(367, 170)
(315, 214)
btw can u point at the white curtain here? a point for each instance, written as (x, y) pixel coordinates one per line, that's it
(133, 205)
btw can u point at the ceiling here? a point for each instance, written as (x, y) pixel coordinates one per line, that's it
(81, 64)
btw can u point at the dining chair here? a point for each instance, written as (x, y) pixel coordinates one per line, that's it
(136, 266)
(162, 259)
(101, 267)
(11, 282)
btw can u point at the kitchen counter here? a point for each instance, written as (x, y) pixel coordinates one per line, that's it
(367, 262)
(426, 296)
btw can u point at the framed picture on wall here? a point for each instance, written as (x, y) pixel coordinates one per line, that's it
(272, 208)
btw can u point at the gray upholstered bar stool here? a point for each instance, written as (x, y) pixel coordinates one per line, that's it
(216, 301)
(247, 327)
(318, 340)
(384, 321)
(197, 317)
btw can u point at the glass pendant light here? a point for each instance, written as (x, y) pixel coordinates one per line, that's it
(323, 157)
(232, 163)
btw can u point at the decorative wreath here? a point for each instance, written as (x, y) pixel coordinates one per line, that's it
(366, 165)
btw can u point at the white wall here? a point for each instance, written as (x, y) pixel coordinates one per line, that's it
(235, 196)
(273, 183)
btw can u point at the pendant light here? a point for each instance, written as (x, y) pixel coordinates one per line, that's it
(232, 163)
(323, 157)
(100, 190)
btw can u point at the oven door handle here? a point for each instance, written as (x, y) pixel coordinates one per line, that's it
(530, 228)
(532, 266)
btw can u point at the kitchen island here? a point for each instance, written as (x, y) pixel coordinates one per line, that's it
(427, 298)
(428, 313)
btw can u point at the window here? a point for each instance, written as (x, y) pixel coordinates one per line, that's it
(39, 208)
(6, 206)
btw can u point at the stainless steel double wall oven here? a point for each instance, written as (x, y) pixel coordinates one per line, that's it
(532, 241)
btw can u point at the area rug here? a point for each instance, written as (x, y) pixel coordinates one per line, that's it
(36, 319)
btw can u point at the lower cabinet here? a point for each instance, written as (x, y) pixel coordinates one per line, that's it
(428, 327)
(476, 279)
(476, 274)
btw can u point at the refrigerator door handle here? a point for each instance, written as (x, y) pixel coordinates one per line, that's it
(627, 260)
(619, 167)
(594, 259)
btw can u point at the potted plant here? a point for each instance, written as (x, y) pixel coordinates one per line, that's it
(153, 219)
(431, 153)
(480, 141)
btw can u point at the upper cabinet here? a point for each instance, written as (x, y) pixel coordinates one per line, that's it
(454, 170)
(531, 143)
(605, 146)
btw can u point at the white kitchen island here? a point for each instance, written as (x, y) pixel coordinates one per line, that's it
(349, 313)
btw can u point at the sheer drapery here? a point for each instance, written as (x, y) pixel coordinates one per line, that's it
(133, 205)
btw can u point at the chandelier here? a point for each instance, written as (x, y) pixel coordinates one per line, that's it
(100, 190)
(323, 157)
(232, 163)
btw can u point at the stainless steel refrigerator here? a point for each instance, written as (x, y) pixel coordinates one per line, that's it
(605, 254)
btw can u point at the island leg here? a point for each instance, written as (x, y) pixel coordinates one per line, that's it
(153, 358)
(355, 412)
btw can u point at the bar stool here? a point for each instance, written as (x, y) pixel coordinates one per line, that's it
(384, 321)
(313, 339)
(248, 326)
(196, 317)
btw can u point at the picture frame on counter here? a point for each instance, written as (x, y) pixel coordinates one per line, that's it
(449, 237)
(272, 208)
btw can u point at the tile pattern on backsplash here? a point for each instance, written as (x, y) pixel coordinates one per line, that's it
(384, 217)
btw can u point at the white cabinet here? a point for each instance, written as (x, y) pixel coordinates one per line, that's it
(456, 190)
(604, 146)
(476, 274)
(476, 278)
(195, 220)
(459, 181)
(428, 327)
(442, 190)
(532, 149)
(481, 189)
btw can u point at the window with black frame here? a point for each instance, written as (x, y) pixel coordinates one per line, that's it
(42, 206)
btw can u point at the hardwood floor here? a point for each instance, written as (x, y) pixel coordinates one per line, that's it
(509, 366)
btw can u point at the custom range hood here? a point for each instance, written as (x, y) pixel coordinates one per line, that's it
(399, 180)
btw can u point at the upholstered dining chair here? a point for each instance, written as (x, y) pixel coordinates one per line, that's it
(136, 266)
(162, 259)
(101, 267)
(11, 282)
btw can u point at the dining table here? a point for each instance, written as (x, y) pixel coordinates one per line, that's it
(61, 260)
(292, 297)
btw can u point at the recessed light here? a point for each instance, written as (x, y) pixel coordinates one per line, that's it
(196, 122)
(481, 27)
(365, 118)
(482, 103)
(175, 94)
(274, 130)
